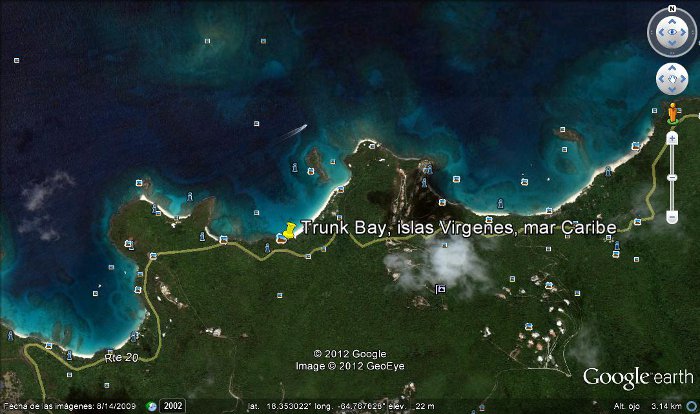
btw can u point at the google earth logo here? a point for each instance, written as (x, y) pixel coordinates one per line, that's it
(151, 406)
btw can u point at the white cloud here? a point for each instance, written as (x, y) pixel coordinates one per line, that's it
(49, 235)
(585, 348)
(40, 225)
(36, 195)
(457, 266)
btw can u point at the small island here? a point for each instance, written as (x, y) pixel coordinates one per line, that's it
(315, 160)
(574, 136)
(569, 135)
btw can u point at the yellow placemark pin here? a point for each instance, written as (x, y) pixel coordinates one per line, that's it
(289, 233)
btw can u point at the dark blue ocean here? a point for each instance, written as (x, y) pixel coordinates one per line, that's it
(105, 94)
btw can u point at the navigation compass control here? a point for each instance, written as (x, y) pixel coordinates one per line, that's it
(672, 32)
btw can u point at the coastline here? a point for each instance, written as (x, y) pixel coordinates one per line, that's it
(60, 346)
(322, 207)
(165, 212)
(334, 191)
(613, 166)
(573, 197)
(171, 216)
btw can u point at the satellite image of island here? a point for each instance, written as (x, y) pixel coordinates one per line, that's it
(350, 207)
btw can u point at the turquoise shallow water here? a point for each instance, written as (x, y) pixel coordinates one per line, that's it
(109, 94)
